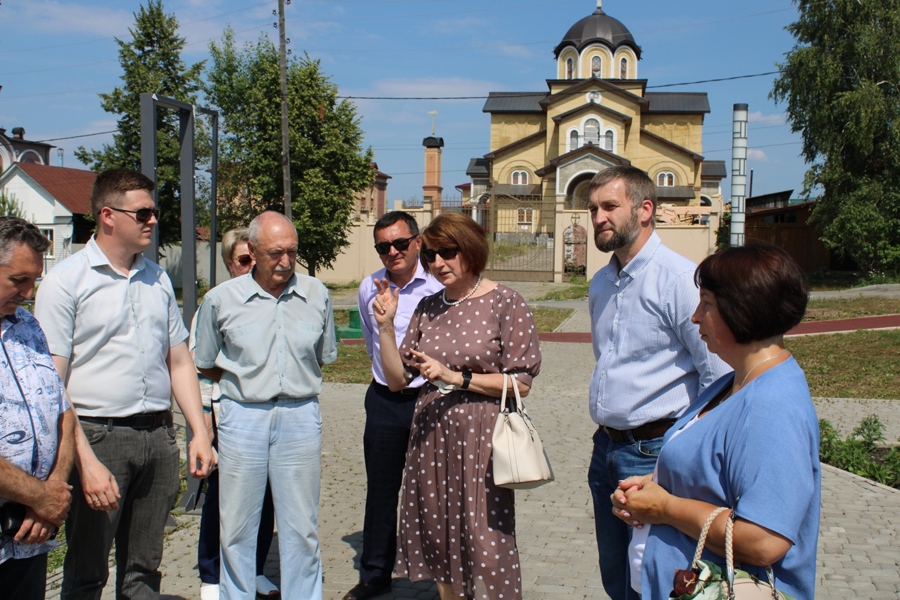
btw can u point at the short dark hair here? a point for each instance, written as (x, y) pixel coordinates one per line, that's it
(111, 186)
(13, 231)
(389, 218)
(760, 290)
(456, 230)
(638, 185)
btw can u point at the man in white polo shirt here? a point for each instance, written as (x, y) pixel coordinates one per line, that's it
(119, 343)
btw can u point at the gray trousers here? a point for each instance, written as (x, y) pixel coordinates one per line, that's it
(145, 464)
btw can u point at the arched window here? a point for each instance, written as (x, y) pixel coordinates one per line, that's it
(525, 215)
(570, 68)
(609, 140)
(596, 65)
(623, 68)
(665, 179)
(520, 177)
(574, 142)
(592, 132)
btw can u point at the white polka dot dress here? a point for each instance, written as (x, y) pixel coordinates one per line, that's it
(456, 527)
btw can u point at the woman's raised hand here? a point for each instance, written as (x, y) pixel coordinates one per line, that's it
(384, 306)
(431, 369)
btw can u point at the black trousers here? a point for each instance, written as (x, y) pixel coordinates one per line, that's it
(388, 419)
(24, 578)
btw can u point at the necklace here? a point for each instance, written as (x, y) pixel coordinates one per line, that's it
(753, 368)
(464, 298)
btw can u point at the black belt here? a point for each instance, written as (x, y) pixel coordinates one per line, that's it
(141, 421)
(647, 431)
(404, 392)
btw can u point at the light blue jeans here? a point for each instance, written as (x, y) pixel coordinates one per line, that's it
(282, 441)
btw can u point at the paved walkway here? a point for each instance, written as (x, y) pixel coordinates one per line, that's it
(859, 543)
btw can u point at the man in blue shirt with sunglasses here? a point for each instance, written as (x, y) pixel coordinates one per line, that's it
(388, 414)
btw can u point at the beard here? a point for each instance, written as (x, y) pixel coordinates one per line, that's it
(620, 237)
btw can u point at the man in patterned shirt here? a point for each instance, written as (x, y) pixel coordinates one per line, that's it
(37, 433)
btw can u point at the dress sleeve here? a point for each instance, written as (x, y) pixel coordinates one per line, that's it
(519, 345)
(771, 457)
(411, 342)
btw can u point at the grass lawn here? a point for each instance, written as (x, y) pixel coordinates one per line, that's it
(576, 290)
(862, 364)
(846, 308)
(353, 366)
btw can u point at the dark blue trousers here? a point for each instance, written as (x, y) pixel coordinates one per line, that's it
(388, 419)
(208, 557)
(24, 578)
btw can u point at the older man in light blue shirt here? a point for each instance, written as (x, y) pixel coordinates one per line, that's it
(264, 337)
(651, 362)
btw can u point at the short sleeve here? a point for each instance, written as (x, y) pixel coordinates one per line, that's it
(177, 331)
(519, 343)
(54, 309)
(208, 338)
(772, 452)
(326, 349)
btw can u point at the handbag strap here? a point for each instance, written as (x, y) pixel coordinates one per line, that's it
(515, 385)
(701, 542)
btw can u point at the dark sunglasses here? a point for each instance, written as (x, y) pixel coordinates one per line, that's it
(141, 215)
(429, 254)
(244, 260)
(400, 244)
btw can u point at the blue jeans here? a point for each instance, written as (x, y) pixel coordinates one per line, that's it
(280, 441)
(145, 465)
(610, 463)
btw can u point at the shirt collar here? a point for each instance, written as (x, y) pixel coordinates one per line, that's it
(419, 275)
(641, 259)
(251, 288)
(97, 258)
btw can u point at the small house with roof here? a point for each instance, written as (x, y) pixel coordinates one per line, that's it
(57, 200)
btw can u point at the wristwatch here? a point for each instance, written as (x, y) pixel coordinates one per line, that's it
(467, 379)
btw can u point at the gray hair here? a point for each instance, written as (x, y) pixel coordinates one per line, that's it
(14, 231)
(638, 186)
(231, 239)
(257, 223)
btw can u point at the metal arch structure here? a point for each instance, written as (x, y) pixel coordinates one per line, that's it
(149, 105)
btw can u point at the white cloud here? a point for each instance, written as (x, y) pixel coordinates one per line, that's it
(757, 155)
(758, 117)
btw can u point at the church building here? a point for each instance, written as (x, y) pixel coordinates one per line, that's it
(546, 146)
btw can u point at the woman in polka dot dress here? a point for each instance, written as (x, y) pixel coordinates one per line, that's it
(457, 527)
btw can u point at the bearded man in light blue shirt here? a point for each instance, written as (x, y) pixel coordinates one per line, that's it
(264, 337)
(651, 362)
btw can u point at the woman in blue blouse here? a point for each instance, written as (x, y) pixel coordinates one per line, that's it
(750, 442)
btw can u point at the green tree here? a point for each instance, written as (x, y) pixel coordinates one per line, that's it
(328, 163)
(152, 63)
(841, 82)
(9, 206)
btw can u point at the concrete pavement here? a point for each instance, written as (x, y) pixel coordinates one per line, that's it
(859, 543)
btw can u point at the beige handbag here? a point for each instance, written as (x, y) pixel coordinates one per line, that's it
(519, 458)
(705, 580)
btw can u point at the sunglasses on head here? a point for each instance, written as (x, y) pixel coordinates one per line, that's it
(141, 215)
(244, 260)
(400, 244)
(430, 254)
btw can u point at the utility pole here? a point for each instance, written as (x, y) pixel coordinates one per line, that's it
(285, 133)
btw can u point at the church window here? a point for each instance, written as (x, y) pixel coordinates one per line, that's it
(623, 68)
(665, 179)
(609, 140)
(596, 65)
(520, 177)
(574, 140)
(525, 215)
(592, 132)
(570, 68)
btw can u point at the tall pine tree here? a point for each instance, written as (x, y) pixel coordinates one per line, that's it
(328, 163)
(152, 63)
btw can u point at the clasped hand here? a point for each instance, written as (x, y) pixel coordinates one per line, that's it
(640, 501)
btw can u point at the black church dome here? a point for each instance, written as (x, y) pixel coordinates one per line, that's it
(598, 28)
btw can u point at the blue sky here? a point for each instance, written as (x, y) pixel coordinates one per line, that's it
(57, 55)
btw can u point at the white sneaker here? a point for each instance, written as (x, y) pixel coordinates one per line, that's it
(265, 588)
(209, 591)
